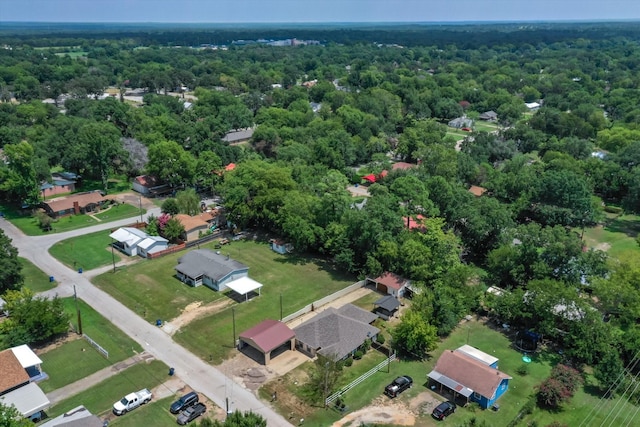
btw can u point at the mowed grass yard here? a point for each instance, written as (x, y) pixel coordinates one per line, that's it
(617, 236)
(480, 335)
(151, 289)
(87, 252)
(299, 280)
(86, 360)
(99, 399)
(34, 278)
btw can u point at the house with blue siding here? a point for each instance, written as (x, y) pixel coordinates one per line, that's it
(206, 267)
(470, 374)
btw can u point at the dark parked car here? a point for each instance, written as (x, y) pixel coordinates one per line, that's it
(191, 413)
(398, 385)
(184, 402)
(443, 410)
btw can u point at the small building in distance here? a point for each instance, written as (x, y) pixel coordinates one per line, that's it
(74, 204)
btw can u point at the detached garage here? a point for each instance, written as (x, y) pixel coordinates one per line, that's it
(268, 338)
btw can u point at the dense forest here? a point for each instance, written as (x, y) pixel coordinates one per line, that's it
(384, 95)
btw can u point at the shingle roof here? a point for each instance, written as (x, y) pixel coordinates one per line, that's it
(470, 372)
(65, 203)
(201, 262)
(268, 335)
(388, 302)
(191, 222)
(335, 333)
(391, 280)
(12, 373)
(239, 135)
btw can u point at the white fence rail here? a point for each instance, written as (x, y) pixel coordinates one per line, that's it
(97, 346)
(322, 301)
(358, 380)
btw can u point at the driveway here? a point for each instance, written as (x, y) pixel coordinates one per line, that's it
(193, 371)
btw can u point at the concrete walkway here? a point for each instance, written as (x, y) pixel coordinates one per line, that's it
(87, 382)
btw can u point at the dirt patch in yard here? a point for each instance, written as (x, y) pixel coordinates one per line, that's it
(603, 246)
(391, 412)
(196, 310)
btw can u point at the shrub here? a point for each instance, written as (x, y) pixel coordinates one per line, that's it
(358, 355)
(348, 362)
(380, 339)
(552, 393)
(613, 209)
(523, 369)
(568, 376)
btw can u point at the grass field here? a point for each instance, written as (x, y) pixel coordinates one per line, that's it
(88, 252)
(56, 362)
(479, 335)
(151, 289)
(34, 278)
(154, 414)
(616, 236)
(100, 398)
(119, 211)
(298, 279)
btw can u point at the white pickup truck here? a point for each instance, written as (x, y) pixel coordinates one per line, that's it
(132, 401)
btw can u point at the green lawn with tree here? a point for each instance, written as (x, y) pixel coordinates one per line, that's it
(87, 359)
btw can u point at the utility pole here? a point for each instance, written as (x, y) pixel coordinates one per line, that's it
(113, 258)
(233, 317)
(281, 307)
(140, 199)
(75, 298)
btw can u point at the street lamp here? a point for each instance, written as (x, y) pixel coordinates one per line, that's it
(140, 200)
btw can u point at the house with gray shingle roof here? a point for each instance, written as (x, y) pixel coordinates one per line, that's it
(206, 267)
(336, 333)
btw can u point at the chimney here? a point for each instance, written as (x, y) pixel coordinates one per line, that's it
(76, 208)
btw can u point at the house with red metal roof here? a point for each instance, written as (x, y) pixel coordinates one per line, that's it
(391, 284)
(269, 338)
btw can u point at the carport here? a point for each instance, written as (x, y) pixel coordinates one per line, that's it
(243, 286)
(267, 337)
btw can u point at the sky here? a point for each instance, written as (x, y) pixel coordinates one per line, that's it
(301, 11)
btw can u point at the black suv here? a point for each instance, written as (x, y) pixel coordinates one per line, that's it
(184, 402)
(443, 410)
(398, 385)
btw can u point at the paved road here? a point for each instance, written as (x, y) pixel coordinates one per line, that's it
(193, 371)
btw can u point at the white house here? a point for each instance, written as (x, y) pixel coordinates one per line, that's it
(151, 245)
(128, 239)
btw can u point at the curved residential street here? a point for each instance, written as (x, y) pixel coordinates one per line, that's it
(193, 371)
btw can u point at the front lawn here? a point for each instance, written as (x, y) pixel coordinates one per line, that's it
(34, 278)
(154, 414)
(616, 236)
(293, 280)
(99, 399)
(119, 211)
(29, 226)
(87, 252)
(86, 360)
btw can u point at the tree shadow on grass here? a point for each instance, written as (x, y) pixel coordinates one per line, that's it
(626, 226)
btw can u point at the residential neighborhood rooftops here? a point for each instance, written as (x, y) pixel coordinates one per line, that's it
(150, 240)
(67, 202)
(27, 399)
(238, 135)
(387, 302)
(391, 280)
(334, 332)
(12, 373)
(477, 191)
(77, 417)
(26, 356)
(129, 235)
(479, 355)
(468, 373)
(192, 222)
(204, 261)
(268, 334)
(402, 166)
